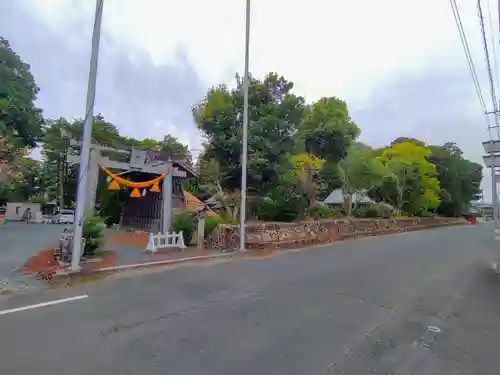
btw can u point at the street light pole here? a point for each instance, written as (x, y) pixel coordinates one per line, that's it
(86, 141)
(494, 198)
(244, 155)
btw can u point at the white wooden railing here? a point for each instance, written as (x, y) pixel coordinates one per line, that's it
(165, 240)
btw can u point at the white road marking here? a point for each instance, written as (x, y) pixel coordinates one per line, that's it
(43, 304)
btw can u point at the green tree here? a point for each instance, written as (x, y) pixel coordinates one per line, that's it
(20, 120)
(327, 129)
(274, 113)
(305, 168)
(460, 179)
(285, 201)
(415, 178)
(172, 144)
(359, 172)
(415, 141)
(10, 159)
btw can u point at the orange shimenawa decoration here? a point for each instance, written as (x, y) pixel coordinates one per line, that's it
(135, 193)
(117, 180)
(155, 188)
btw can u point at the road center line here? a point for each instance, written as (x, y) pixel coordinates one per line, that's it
(43, 304)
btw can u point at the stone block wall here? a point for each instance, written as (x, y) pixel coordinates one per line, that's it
(289, 235)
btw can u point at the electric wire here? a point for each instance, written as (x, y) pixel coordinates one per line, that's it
(470, 62)
(488, 66)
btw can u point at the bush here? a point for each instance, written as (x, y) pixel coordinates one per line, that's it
(184, 222)
(424, 213)
(359, 212)
(373, 211)
(321, 211)
(211, 223)
(276, 208)
(93, 234)
(385, 211)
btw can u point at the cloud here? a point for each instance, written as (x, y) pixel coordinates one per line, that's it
(142, 98)
(400, 68)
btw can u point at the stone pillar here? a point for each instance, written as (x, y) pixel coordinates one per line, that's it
(200, 238)
(166, 213)
(92, 181)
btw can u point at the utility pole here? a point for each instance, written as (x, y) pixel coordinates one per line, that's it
(61, 180)
(492, 160)
(244, 156)
(81, 196)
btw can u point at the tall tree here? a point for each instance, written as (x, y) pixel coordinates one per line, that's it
(415, 178)
(327, 129)
(20, 119)
(306, 169)
(274, 113)
(29, 184)
(10, 159)
(460, 179)
(415, 141)
(359, 172)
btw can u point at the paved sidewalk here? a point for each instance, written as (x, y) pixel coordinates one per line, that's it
(18, 242)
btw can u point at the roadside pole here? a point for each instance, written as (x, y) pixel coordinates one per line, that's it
(86, 141)
(492, 161)
(244, 155)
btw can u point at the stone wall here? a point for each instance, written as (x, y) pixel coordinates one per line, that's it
(288, 235)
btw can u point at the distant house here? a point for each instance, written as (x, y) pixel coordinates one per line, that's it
(336, 199)
(18, 211)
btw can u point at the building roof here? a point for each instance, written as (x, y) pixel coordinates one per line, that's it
(193, 204)
(337, 197)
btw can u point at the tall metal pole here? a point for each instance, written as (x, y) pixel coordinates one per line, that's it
(86, 141)
(244, 156)
(494, 198)
(61, 180)
(494, 203)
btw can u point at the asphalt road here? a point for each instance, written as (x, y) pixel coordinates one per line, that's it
(358, 307)
(19, 241)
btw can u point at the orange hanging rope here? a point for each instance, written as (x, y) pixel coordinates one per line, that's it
(155, 188)
(135, 193)
(133, 184)
(113, 185)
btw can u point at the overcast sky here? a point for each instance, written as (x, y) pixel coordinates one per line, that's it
(398, 64)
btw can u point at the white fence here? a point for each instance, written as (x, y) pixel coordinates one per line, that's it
(164, 240)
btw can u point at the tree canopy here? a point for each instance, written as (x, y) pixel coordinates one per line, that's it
(298, 153)
(20, 119)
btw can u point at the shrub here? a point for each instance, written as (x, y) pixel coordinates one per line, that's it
(93, 234)
(360, 212)
(184, 222)
(424, 213)
(277, 208)
(372, 211)
(211, 223)
(321, 211)
(385, 210)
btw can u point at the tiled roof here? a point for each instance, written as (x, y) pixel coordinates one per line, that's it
(337, 197)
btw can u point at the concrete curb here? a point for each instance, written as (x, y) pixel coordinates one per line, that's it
(156, 263)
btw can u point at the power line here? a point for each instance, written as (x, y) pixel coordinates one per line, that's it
(493, 43)
(470, 62)
(488, 62)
